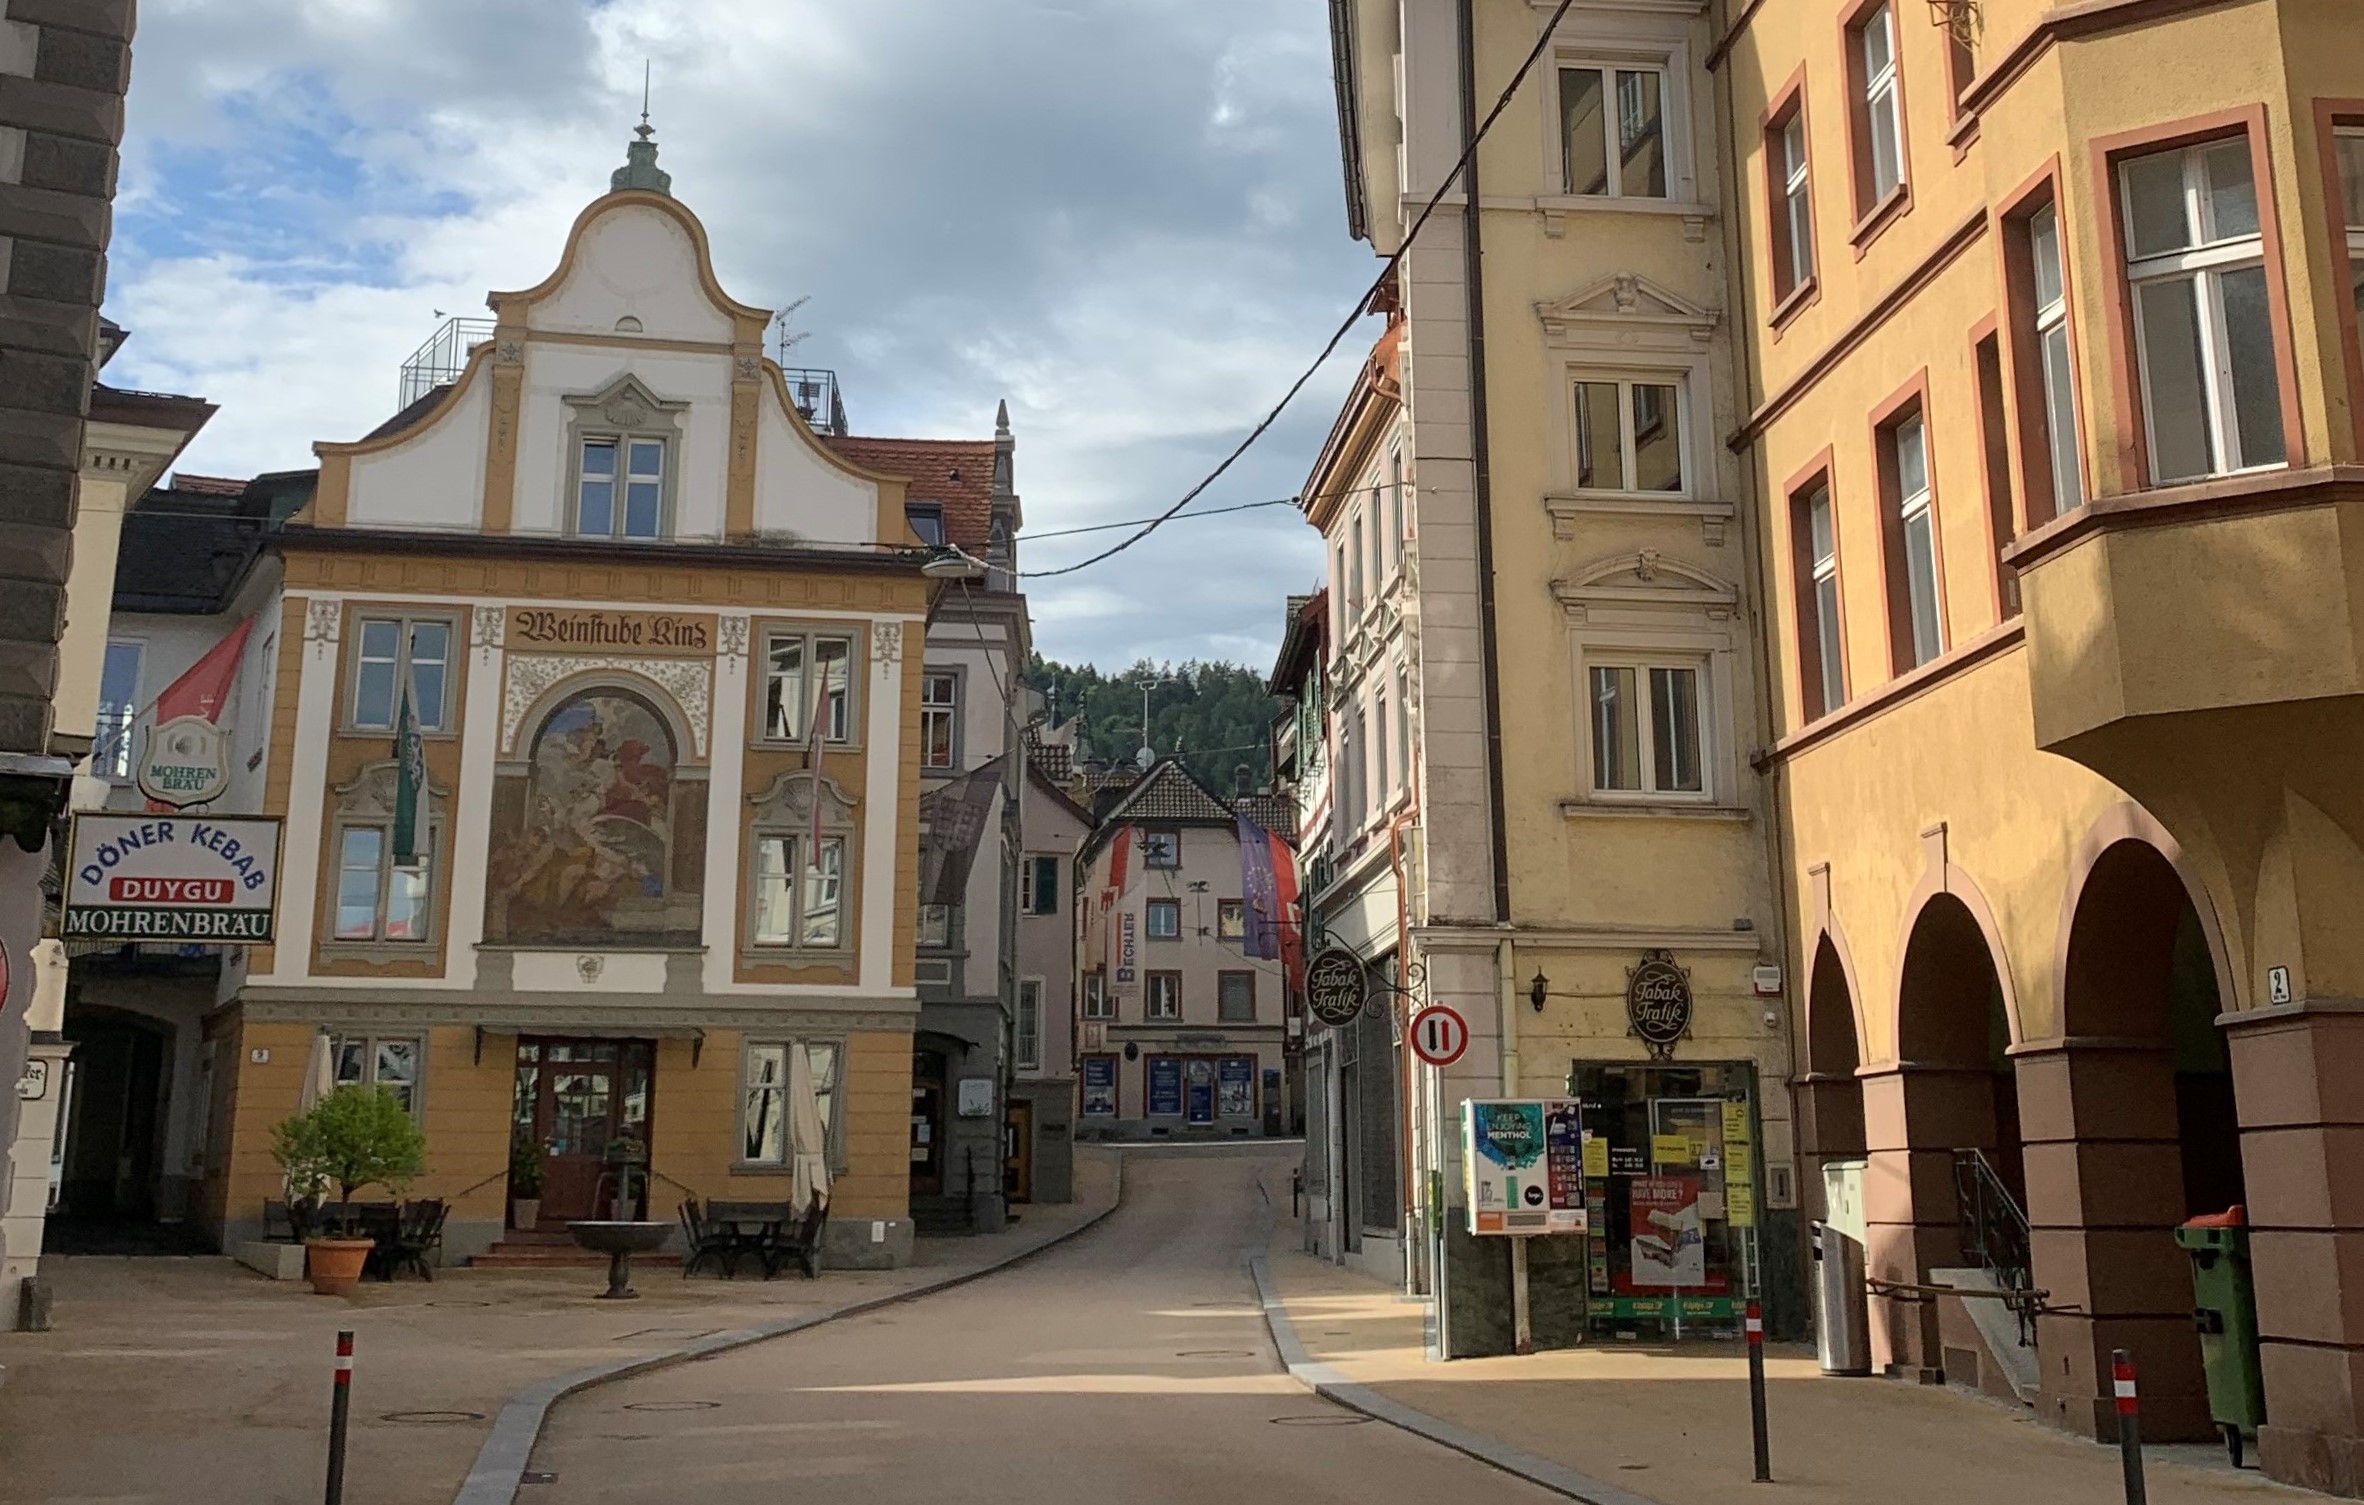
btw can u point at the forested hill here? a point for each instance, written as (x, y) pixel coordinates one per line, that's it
(1214, 716)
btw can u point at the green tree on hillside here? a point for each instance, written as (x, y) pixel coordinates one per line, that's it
(1213, 716)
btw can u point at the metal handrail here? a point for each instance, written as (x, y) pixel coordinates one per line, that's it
(1995, 1234)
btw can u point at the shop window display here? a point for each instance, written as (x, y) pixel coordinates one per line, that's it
(1670, 1187)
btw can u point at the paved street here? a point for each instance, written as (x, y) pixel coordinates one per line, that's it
(1129, 1363)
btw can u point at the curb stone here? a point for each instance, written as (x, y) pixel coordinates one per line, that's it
(501, 1462)
(1327, 1383)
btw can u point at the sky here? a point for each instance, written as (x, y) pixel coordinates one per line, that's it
(1123, 216)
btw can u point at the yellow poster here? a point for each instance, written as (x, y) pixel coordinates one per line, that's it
(1735, 1123)
(1740, 1205)
(1739, 1162)
(1596, 1155)
(1670, 1149)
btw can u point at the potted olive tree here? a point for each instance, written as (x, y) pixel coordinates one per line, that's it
(525, 1183)
(352, 1138)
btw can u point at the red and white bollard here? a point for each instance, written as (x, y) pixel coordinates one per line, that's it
(2129, 1422)
(340, 1409)
(1755, 1321)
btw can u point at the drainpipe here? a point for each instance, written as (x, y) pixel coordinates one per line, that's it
(1506, 974)
(1480, 463)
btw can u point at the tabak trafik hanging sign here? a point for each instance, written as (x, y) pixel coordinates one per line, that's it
(1336, 987)
(1658, 1002)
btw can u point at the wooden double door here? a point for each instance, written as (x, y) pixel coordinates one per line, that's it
(578, 1098)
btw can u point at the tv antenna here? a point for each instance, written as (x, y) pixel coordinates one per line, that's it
(790, 338)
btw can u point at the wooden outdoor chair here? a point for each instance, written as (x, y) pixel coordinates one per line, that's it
(704, 1238)
(798, 1239)
(417, 1238)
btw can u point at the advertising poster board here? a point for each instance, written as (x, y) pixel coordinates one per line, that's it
(1165, 1087)
(1523, 1165)
(1235, 1079)
(141, 877)
(1668, 1236)
(1099, 1086)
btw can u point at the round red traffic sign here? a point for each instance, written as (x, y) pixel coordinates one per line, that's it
(1439, 1035)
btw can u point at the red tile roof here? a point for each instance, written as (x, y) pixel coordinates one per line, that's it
(208, 485)
(957, 474)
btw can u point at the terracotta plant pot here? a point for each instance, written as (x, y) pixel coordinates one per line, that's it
(334, 1264)
(524, 1213)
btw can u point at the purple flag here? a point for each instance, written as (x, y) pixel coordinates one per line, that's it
(1261, 892)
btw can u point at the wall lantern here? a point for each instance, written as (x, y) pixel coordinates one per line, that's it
(1538, 990)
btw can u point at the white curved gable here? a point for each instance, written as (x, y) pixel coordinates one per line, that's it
(800, 495)
(434, 476)
(639, 262)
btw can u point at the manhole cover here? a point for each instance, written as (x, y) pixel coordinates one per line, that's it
(1317, 1421)
(432, 1418)
(1215, 1353)
(673, 1405)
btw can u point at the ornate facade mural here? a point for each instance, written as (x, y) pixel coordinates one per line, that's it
(601, 837)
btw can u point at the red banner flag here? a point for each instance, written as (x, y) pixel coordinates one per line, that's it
(205, 689)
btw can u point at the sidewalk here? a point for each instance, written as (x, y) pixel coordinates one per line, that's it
(195, 1380)
(1672, 1426)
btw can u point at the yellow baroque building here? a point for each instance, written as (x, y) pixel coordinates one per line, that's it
(2047, 320)
(619, 569)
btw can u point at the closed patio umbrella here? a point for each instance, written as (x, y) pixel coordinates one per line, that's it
(320, 1075)
(807, 1143)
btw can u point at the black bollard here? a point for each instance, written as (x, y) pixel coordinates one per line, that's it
(1756, 1393)
(2129, 1422)
(340, 1409)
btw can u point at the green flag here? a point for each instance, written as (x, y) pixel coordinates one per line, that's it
(410, 783)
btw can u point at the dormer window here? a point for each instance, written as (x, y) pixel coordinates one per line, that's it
(927, 520)
(630, 505)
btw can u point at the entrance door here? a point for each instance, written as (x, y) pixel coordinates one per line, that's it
(927, 1124)
(1017, 1163)
(586, 1094)
(1198, 1097)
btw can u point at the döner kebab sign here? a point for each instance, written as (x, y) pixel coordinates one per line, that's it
(173, 878)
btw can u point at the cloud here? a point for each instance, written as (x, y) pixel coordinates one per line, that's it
(1122, 215)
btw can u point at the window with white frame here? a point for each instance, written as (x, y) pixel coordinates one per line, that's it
(119, 710)
(800, 670)
(1164, 995)
(1793, 264)
(2052, 344)
(2195, 263)
(1163, 921)
(1398, 507)
(1646, 728)
(763, 1099)
(1161, 847)
(1341, 603)
(939, 719)
(389, 1063)
(1026, 1030)
(1880, 110)
(1354, 593)
(1613, 131)
(379, 899)
(1382, 768)
(1095, 996)
(1629, 434)
(625, 503)
(1403, 730)
(1038, 885)
(799, 902)
(935, 927)
(2348, 149)
(1378, 542)
(1915, 520)
(390, 651)
(1818, 608)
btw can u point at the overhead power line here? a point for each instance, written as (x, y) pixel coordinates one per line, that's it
(1353, 317)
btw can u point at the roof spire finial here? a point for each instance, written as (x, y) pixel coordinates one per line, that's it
(640, 168)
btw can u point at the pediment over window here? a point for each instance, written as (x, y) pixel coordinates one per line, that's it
(789, 802)
(371, 794)
(1646, 578)
(626, 404)
(1628, 311)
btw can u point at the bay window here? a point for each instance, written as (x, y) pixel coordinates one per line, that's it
(2059, 416)
(2348, 151)
(2203, 326)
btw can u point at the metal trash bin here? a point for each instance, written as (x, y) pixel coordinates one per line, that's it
(2224, 1309)
(1842, 1310)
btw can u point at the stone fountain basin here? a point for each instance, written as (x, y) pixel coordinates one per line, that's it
(605, 1236)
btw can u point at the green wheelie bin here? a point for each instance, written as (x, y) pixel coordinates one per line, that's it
(2224, 1308)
